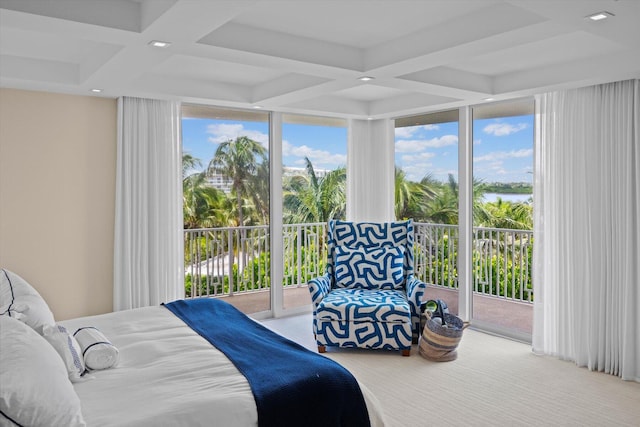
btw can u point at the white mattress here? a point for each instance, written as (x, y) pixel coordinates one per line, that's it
(168, 375)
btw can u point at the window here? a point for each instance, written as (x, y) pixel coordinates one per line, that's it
(426, 189)
(314, 158)
(503, 135)
(493, 264)
(226, 204)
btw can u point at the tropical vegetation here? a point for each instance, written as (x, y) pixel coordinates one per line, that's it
(313, 197)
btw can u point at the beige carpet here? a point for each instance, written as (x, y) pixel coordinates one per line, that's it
(494, 382)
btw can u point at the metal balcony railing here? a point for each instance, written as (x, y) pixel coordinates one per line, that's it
(501, 259)
(231, 260)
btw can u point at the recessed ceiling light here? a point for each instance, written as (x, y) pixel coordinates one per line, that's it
(96, 90)
(365, 78)
(599, 16)
(488, 99)
(257, 107)
(159, 43)
(369, 118)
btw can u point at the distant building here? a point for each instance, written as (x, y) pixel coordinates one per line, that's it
(224, 183)
(291, 171)
(220, 182)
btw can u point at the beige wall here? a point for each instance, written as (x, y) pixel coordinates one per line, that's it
(57, 192)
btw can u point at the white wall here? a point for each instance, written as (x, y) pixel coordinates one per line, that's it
(57, 192)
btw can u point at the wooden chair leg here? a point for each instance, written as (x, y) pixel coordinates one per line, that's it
(406, 352)
(322, 349)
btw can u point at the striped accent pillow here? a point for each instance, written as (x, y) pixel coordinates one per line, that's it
(68, 348)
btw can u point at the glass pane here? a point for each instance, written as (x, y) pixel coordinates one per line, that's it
(226, 205)
(314, 158)
(503, 216)
(426, 189)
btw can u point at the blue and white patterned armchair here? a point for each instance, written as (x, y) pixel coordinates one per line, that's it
(369, 297)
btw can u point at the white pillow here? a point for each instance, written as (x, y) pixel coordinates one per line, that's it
(36, 390)
(68, 349)
(20, 300)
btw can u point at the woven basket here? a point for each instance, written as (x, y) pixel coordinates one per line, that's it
(439, 343)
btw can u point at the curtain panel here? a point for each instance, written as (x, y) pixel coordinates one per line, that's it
(148, 242)
(370, 170)
(587, 235)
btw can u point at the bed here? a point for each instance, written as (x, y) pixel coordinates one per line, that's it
(166, 373)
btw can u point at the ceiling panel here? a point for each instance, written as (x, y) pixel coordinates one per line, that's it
(567, 47)
(51, 47)
(307, 56)
(204, 69)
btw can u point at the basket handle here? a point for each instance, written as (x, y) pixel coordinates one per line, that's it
(438, 312)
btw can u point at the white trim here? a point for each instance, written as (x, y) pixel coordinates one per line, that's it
(275, 213)
(465, 213)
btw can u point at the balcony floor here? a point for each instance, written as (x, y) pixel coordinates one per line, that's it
(512, 315)
(257, 301)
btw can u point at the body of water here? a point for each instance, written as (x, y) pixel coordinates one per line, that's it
(506, 197)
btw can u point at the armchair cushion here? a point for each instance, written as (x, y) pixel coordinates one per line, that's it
(369, 267)
(365, 305)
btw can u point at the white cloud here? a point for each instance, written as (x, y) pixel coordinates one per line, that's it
(499, 155)
(224, 132)
(418, 145)
(406, 132)
(416, 172)
(488, 172)
(412, 158)
(319, 158)
(503, 129)
(409, 131)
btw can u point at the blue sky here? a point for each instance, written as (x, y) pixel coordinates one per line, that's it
(200, 137)
(502, 148)
(325, 146)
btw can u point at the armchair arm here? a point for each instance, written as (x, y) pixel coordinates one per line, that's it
(319, 288)
(415, 291)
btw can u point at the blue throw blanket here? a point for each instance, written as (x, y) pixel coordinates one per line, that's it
(292, 386)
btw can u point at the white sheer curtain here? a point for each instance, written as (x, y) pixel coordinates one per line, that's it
(587, 232)
(148, 246)
(370, 170)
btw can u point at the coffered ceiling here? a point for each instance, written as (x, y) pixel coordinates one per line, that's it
(307, 56)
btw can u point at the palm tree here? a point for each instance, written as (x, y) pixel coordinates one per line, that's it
(412, 198)
(238, 160)
(406, 193)
(202, 205)
(188, 163)
(501, 214)
(260, 192)
(310, 198)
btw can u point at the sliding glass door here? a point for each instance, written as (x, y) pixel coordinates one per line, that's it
(503, 137)
(258, 190)
(465, 177)
(426, 189)
(226, 205)
(314, 158)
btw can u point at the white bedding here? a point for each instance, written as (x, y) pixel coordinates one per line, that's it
(168, 375)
